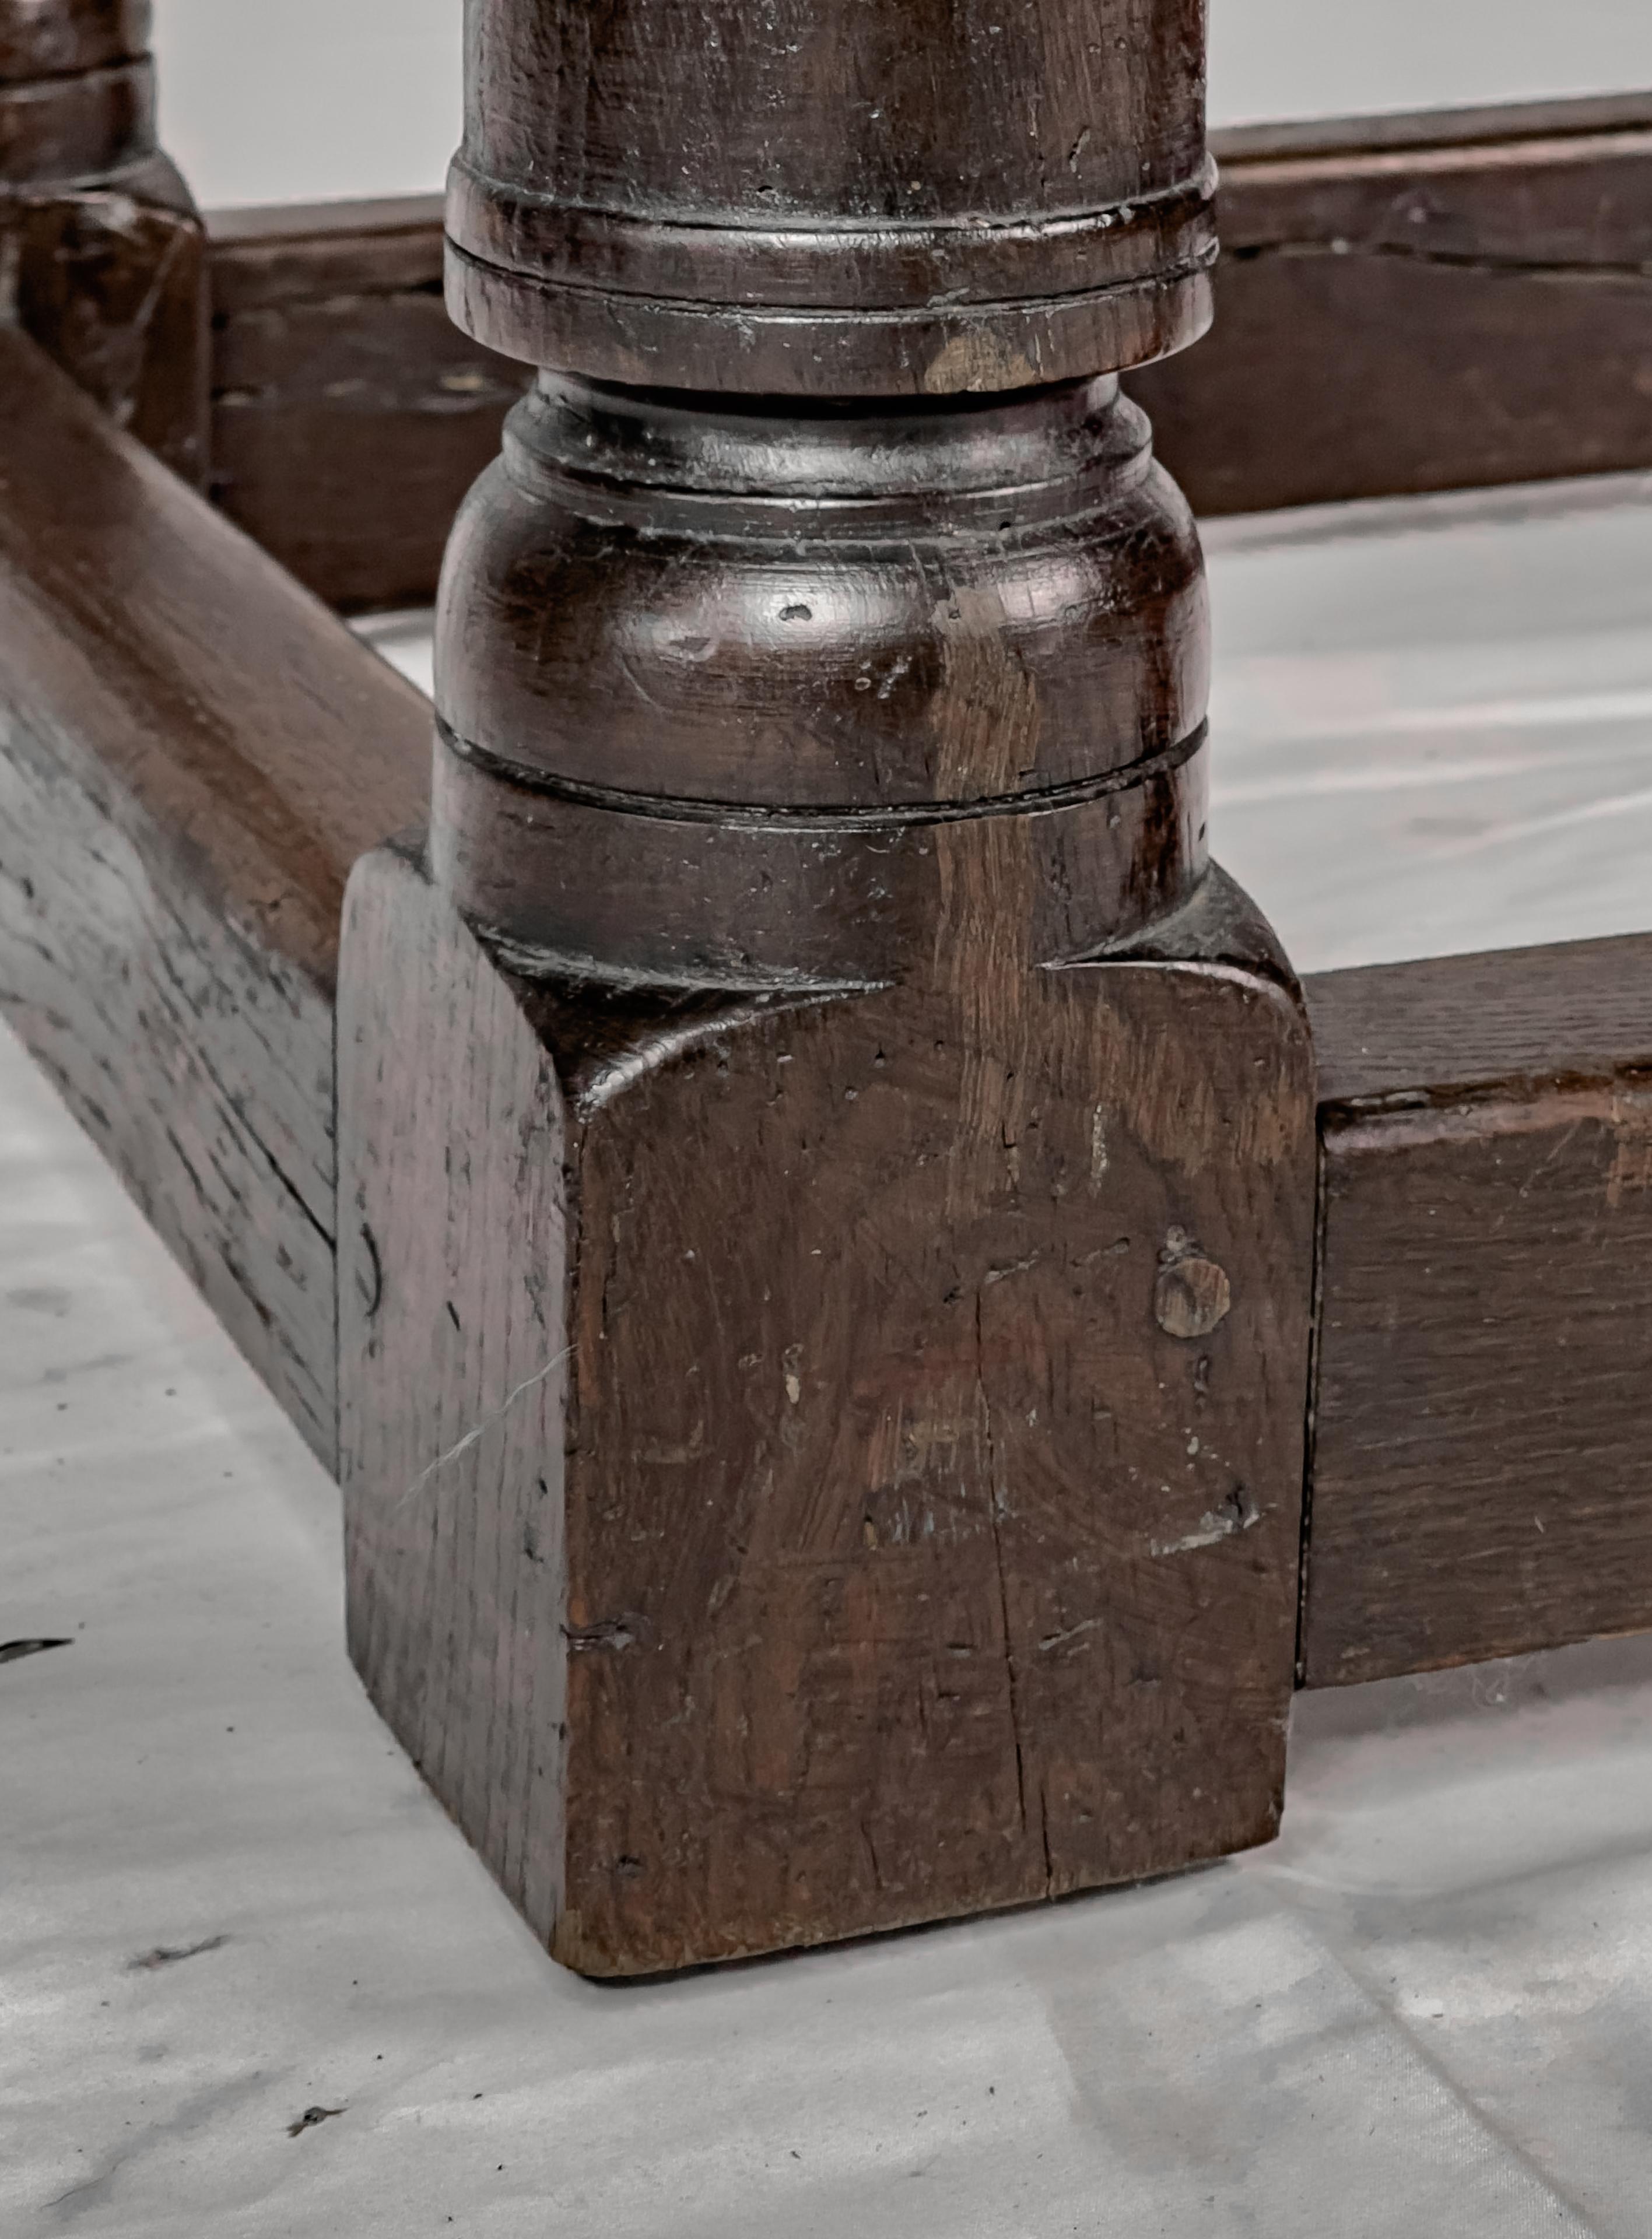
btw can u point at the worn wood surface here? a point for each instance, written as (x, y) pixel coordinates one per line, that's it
(823, 198)
(816, 1465)
(103, 249)
(824, 1345)
(1481, 1481)
(1360, 349)
(1505, 1016)
(1408, 304)
(349, 415)
(823, 1231)
(192, 753)
(76, 88)
(741, 660)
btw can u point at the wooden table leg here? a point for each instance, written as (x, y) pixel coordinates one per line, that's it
(105, 253)
(827, 1168)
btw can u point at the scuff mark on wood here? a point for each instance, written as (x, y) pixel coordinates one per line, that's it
(1238, 1512)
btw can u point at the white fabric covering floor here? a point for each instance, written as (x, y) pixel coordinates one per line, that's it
(225, 1897)
(1431, 721)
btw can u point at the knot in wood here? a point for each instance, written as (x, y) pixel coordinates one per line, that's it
(1192, 1295)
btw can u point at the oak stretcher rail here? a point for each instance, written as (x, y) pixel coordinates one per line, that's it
(796, 1203)
(193, 754)
(1479, 1482)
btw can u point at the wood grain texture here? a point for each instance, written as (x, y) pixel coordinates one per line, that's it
(1408, 304)
(193, 754)
(1480, 1483)
(1502, 337)
(1507, 1016)
(349, 415)
(750, 662)
(102, 246)
(908, 1140)
(1403, 131)
(819, 197)
(453, 1338)
(816, 1465)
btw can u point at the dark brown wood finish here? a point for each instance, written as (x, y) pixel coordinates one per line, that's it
(1482, 1483)
(349, 415)
(826, 1301)
(823, 1208)
(103, 250)
(1404, 304)
(76, 88)
(1421, 304)
(837, 200)
(775, 638)
(192, 753)
(817, 1465)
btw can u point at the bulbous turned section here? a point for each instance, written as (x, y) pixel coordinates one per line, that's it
(834, 196)
(76, 89)
(709, 680)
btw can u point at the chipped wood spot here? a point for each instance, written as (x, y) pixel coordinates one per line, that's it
(1631, 1167)
(977, 360)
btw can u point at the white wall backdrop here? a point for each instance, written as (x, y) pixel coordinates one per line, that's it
(308, 100)
(311, 99)
(1277, 58)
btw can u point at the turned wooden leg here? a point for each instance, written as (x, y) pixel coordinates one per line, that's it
(827, 1166)
(104, 254)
